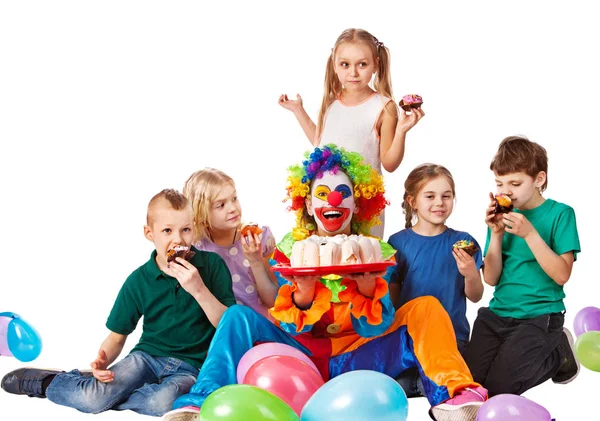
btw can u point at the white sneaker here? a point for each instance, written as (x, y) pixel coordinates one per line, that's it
(187, 413)
(462, 407)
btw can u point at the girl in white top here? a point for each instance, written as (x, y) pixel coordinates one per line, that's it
(354, 114)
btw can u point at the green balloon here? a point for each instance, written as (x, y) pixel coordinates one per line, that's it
(587, 349)
(242, 402)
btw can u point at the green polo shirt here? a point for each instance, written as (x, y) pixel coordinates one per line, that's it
(174, 323)
(524, 290)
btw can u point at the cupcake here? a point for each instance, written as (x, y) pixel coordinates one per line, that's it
(179, 251)
(250, 228)
(411, 101)
(503, 204)
(467, 246)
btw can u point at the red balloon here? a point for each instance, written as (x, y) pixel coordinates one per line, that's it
(288, 378)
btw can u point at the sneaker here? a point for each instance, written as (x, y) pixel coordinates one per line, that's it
(569, 369)
(462, 407)
(186, 413)
(27, 381)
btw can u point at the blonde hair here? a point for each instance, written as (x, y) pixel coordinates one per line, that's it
(333, 87)
(201, 189)
(175, 199)
(415, 182)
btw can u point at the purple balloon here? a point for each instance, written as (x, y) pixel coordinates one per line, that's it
(588, 319)
(508, 407)
(4, 351)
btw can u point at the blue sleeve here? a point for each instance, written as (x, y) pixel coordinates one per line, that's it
(478, 256)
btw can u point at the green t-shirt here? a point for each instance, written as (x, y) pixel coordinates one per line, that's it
(524, 290)
(174, 323)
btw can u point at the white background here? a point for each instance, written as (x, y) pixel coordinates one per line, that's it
(103, 104)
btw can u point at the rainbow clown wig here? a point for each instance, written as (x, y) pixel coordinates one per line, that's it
(368, 187)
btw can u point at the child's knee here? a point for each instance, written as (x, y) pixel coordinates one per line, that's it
(237, 312)
(162, 401)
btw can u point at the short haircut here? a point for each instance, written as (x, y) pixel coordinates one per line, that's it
(519, 154)
(175, 199)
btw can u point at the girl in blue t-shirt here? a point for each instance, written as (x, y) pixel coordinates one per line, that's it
(427, 261)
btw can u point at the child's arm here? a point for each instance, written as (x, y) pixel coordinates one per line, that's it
(266, 282)
(109, 351)
(393, 134)
(395, 292)
(467, 268)
(557, 267)
(190, 280)
(309, 127)
(492, 267)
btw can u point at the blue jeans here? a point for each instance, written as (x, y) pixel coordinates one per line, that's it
(144, 384)
(411, 381)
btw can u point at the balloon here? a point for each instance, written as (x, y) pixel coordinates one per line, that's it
(288, 378)
(23, 340)
(4, 350)
(361, 395)
(588, 319)
(508, 407)
(268, 349)
(241, 402)
(587, 349)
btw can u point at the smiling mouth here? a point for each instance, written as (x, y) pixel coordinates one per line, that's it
(333, 214)
(332, 218)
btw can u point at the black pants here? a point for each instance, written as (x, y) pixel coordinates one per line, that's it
(508, 355)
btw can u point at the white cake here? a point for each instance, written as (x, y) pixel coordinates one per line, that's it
(334, 251)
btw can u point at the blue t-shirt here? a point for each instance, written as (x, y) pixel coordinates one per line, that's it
(426, 266)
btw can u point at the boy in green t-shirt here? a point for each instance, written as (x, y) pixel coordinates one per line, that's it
(181, 303)
(519, 341)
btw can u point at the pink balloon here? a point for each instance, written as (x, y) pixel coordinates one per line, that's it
(269, 349)
(4, 351)
(586, 320)
(288, 378)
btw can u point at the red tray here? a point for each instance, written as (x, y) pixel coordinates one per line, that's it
(335, 270)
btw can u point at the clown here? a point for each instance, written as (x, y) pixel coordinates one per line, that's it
(344, 323)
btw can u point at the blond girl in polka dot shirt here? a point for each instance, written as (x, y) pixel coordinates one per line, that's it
(217, 223)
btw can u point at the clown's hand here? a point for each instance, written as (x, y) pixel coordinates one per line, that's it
(305, 289)
(366, 282)
(304, 282)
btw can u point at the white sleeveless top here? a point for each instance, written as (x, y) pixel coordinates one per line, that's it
(354, 127)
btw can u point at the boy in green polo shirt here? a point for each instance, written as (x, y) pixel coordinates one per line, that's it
(181, 303)
(519, 341)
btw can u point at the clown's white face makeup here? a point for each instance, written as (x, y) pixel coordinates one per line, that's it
(332, 203)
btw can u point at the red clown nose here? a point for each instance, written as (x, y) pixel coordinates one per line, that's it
(334, 198)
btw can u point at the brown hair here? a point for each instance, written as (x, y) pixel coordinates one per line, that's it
(415, 182)
(519, 154)
(201, 189)
(333, 87)
(172, 196)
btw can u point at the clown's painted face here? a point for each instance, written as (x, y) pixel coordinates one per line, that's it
(332, 203)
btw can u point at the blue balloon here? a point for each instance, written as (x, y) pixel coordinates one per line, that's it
(361, 395)
(24, 341)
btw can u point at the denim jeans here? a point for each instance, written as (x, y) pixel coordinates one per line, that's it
(144, 384)
(410, 380)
